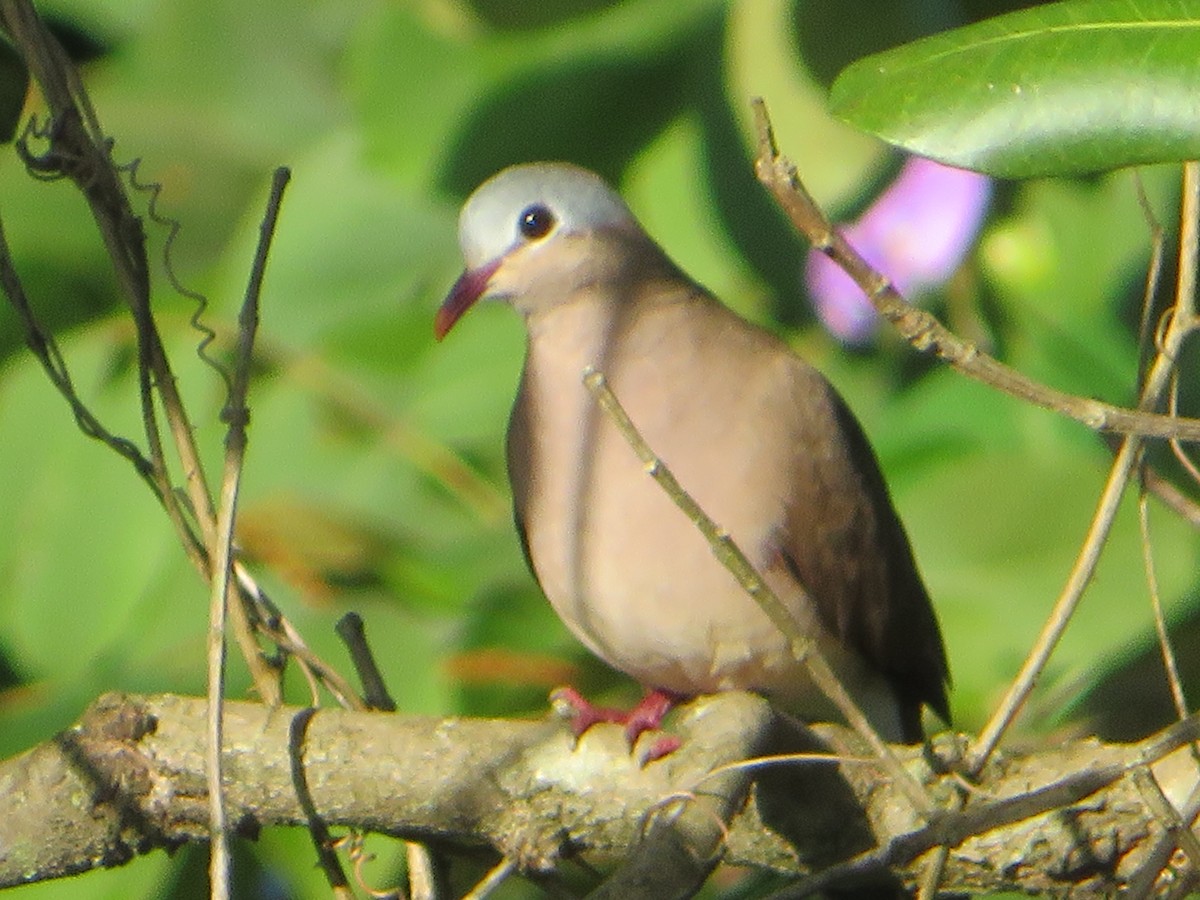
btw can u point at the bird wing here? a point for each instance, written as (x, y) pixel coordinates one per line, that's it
(845, 545)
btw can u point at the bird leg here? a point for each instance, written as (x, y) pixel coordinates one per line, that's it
(646, 716)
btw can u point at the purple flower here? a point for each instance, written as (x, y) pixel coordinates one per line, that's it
(917, 232)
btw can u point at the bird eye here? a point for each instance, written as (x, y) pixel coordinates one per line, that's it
(536, 222)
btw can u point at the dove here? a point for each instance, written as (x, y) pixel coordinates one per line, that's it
(759, 438)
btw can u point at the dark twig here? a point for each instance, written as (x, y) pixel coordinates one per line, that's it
(79, 150)
(354, 635)
(323, 841)
(44, 347)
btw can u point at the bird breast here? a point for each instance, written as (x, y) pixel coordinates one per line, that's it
(624, 568)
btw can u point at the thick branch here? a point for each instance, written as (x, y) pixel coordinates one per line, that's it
(129, 778)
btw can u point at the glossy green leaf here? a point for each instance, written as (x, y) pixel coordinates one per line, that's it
(1060, 89)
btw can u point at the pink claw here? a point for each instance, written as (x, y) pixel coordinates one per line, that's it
(664, 746)
(646, 716)
(583, 714)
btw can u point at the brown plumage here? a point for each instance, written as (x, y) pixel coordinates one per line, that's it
(758, 437)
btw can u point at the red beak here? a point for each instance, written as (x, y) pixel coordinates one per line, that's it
(470, 286)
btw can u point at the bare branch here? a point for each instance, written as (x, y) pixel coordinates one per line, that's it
(925, 332)
(237, 416)
(129, 778)
(1181, 323)
(79, 150)
(353, 633)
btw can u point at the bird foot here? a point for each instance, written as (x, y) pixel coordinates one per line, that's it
(646, 716)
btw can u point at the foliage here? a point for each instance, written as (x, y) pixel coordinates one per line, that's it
(1057, 89)
(375, 477)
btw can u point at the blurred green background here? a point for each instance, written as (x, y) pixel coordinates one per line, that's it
(375, 478)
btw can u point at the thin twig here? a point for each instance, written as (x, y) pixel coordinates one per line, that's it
(803, 648)
(1160, 623)
(1177, 823)
(935, 866)
(1153, 275)
(278, 629)
(1151, 480)
(1056, 623)
(928, 335)
(235, 412)
(1181, 454)
(354, 635)
(79, 150)
(422, 872)
(935, 870)
(1161, 487)
(1173, 823)
(43, 346)
(949, 828)
(323, 842)
(237, 417)
(923, 330)
(755, 763)
(1181, 323)
(498, 874)
(287, 636)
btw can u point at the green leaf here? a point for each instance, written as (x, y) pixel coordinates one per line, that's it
(1060, 89)
(490, 98)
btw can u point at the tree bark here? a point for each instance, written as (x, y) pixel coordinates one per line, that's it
(129, 778)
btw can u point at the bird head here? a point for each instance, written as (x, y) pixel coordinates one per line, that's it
(528, 237)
